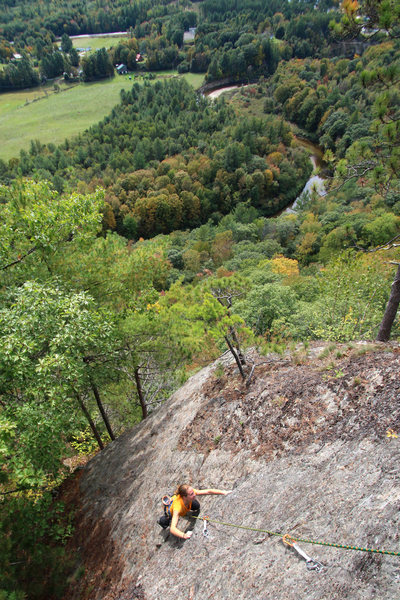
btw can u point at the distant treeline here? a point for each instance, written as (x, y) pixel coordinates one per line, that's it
(230, 41)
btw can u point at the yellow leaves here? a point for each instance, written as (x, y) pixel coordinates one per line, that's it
(310, 224)
(154, 307)
(269, 177)
(349, 318)
(275, 158)
(391, 434)
(284, 266)
(307, 244)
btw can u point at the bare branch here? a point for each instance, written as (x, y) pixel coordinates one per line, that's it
(19, 259)
(390, 244)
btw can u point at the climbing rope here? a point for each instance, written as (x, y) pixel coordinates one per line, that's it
(294, 539)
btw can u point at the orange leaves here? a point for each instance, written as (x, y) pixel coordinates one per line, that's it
(350, 7)
(275, 158)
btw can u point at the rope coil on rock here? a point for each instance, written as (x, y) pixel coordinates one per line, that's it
(305, 541)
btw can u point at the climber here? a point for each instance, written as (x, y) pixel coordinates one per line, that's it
(182, 503)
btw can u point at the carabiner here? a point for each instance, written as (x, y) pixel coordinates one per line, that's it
(314, 565)
(205, 530)
(311, 564)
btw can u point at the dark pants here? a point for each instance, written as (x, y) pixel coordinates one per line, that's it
(165, 520)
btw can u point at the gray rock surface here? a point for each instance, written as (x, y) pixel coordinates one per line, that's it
(306, 451)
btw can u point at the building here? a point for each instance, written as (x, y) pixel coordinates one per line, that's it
(122, 69)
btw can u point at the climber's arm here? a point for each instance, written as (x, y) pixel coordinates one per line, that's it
(213, 491)
(174, 529)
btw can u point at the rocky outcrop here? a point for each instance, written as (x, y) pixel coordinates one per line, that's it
(305, 448)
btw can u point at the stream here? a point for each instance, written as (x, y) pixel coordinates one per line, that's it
(314, 184)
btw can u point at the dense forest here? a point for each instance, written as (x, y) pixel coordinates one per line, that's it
(237, 42)
(140, 250)
(217, 160)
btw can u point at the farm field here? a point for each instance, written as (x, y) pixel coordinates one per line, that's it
(49, 116)
(97, 42)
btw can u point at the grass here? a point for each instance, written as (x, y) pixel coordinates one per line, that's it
(42, 114)
(98, 42)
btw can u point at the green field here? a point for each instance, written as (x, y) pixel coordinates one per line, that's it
(42, 114)
(95, 43)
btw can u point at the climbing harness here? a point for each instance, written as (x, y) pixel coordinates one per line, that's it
(165, 520)
(205, 530)
(311, 564)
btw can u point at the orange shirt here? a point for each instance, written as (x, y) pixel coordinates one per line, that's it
(179, 505)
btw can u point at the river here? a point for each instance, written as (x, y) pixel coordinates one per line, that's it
(315, 183)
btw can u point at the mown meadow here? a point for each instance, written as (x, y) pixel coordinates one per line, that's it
(50, 114)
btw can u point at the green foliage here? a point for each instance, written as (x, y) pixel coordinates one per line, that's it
(32, 562)
(203, 316)
(49, 344)
(18, 75)
(353, 291)
(97, 66)
(236, 163)
(382, 229)
(83, 442)
(265, 304)
(34, 218)
(52, 65)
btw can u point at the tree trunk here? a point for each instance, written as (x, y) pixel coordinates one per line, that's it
(90, 421)
(390, 310)
(235, 338)
(101, 409)
(140, 393)
(236, 357)
(239, 354)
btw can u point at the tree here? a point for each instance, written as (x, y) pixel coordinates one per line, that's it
(391, 309)
(52, 342)
(66, 43)
(52, 64)
(97, 65)
(203, 315)
(394, 298)
(265, 304)
(156, 351)
(18, 75)
(34, 219)
(36, 223)
(225, 291)
(74, 57)
(353, 292)
(376, 157)
(368, 17)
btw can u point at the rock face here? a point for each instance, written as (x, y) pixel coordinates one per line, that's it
(305, 448)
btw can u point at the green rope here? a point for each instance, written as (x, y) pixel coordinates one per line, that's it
(333, 545)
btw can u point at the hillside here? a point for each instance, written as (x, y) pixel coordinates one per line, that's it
(305, 448)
